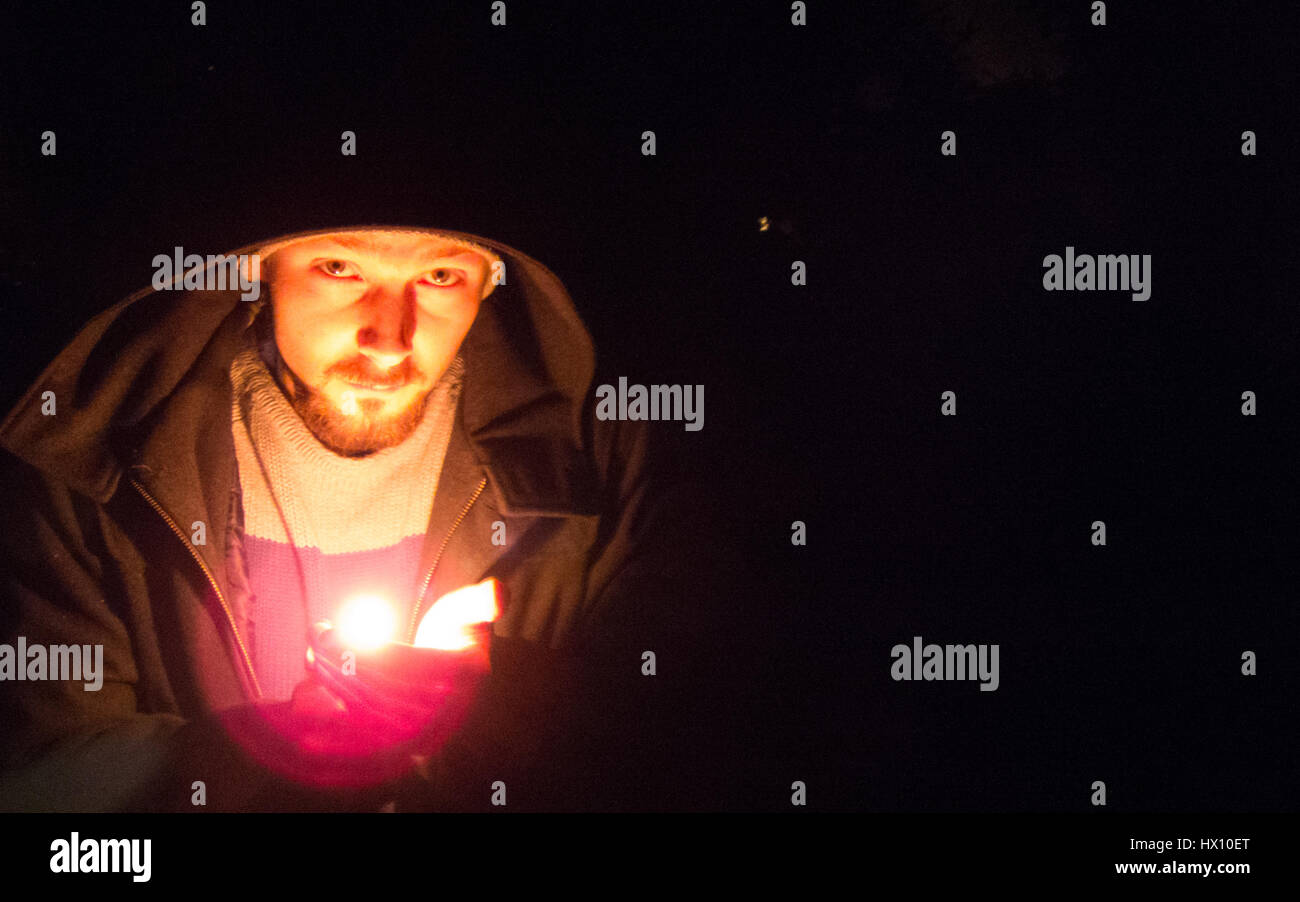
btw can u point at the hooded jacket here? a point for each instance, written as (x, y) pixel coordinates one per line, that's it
(103, 494)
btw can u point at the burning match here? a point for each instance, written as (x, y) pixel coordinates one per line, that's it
(369, 622)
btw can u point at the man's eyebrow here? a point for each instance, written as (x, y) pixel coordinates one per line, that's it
(373, 244)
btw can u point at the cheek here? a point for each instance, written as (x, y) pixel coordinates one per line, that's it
(441, 332)
(310, 344)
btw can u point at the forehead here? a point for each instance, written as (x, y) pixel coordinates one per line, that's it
(403, 246)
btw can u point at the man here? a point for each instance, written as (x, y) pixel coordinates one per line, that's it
(198, 478)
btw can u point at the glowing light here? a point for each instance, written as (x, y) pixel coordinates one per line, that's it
(366, 622)
(449, 623)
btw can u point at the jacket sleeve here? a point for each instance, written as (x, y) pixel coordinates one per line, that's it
(663, 552)
(601, 723)
(660, 595)
(66, 748)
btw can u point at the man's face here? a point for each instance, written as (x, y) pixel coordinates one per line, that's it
(366, 323)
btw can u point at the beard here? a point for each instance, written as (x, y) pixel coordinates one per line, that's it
(364, 432)
(363, 429)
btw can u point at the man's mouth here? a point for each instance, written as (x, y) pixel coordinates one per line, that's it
(383, 387)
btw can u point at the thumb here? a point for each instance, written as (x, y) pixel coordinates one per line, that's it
(311, 699)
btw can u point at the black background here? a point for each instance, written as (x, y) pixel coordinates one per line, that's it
(1118, 663)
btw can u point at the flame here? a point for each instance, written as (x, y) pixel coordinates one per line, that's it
(448, 624)
(366, 622)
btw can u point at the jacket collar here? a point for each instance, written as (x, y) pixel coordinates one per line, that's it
(143, 390)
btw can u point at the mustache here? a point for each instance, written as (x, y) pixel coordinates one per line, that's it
(360, 369)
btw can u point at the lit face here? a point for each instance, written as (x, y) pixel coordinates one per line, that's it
(365, 324)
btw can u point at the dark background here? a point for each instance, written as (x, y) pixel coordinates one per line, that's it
(1119, 663)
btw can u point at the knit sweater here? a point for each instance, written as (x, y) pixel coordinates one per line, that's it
(321, 528)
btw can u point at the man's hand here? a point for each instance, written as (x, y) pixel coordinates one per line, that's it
(395, 691)
(381, 707)
(367, 715)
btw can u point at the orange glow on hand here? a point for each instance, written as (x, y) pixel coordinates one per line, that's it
(366, 622)
(449, 623)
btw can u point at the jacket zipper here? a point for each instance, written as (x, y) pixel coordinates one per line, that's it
(243, 650)
(428, 577)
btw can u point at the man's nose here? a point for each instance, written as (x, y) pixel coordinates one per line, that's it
(389, 327)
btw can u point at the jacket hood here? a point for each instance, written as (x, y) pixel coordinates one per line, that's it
(147, 367)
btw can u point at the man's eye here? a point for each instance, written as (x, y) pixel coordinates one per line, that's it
(444, 277)
(340, 269)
